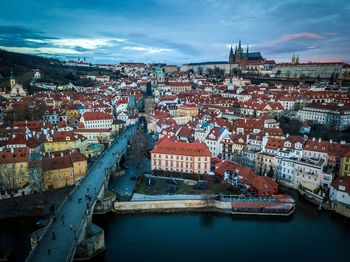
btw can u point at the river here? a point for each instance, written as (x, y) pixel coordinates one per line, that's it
(308, 235)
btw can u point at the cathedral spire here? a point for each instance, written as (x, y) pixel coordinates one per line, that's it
(247, 49)
(231, 57)
(239, 45)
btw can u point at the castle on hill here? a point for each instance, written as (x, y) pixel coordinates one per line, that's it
(238, 59)
(240, 55)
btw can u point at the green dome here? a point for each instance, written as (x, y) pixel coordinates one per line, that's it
(159, 71)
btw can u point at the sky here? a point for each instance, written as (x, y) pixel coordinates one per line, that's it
(176, 31)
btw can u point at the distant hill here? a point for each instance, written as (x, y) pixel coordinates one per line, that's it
(51, 70)
(21, 64)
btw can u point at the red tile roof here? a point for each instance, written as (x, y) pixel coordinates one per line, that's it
(92, 116)
(14, 155)
(166, 146)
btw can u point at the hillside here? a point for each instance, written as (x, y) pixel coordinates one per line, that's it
(51, 70)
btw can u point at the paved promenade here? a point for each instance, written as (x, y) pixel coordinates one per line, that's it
(59, 239)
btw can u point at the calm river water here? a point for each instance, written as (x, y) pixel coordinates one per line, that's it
(309, 235)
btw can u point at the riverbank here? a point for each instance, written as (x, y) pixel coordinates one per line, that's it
(33, 205)
(280, 205)
(320, 201)
(208, 236)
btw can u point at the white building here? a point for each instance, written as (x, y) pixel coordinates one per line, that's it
(91, 120)
(295, 70)
(334, 115)
(340, 190)
(310, 174)
(214, 138)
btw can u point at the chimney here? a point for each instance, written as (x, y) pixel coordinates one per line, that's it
(330, 141)
(61, 154)
(313, 139)
(319, 140)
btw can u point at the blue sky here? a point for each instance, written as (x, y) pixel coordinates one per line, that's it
(176, 31)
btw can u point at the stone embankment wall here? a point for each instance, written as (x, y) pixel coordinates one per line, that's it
(136, 206)
(342, 209)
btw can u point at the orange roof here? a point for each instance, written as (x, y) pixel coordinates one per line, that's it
(61, 136)
(317, 146)
(274, 143)
(166, 146)
(91, 116)
(14, 155)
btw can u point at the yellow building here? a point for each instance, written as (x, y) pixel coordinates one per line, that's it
(63, 169)
(345, 164)
(187, 110)
(14, 168)
(79, 165)
(63, 140)
(72, 111)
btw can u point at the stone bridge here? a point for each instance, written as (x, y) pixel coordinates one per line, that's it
(71, 234)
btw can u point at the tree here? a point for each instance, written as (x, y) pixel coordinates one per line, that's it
(210, 72)
(103, 140)
(318, 78)
(36, 179)
(270, 173)
(302, 76)
(332, 78)
(9, 180)
(200, 70)
(137, 151)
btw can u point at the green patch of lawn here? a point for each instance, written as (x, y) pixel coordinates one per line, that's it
(161, 186)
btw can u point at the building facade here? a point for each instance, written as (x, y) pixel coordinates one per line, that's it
(180, 157)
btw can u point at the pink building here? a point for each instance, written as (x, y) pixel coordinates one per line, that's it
(180, 157)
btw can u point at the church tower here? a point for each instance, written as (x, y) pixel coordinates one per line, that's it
(231, 58)
(12, 80)
(239, 52)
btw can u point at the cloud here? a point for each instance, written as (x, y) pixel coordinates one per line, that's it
(149, 50)
(290, 37)
(15, 30)
(145, 30)
(41, 50)
(79, 42)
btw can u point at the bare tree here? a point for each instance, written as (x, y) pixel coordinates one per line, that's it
(36, 179)
(9, 180)
(103, 140)
(137, 151)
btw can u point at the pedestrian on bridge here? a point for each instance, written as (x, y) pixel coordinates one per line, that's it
(49, 251)
(53, 235)
(71, 227)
